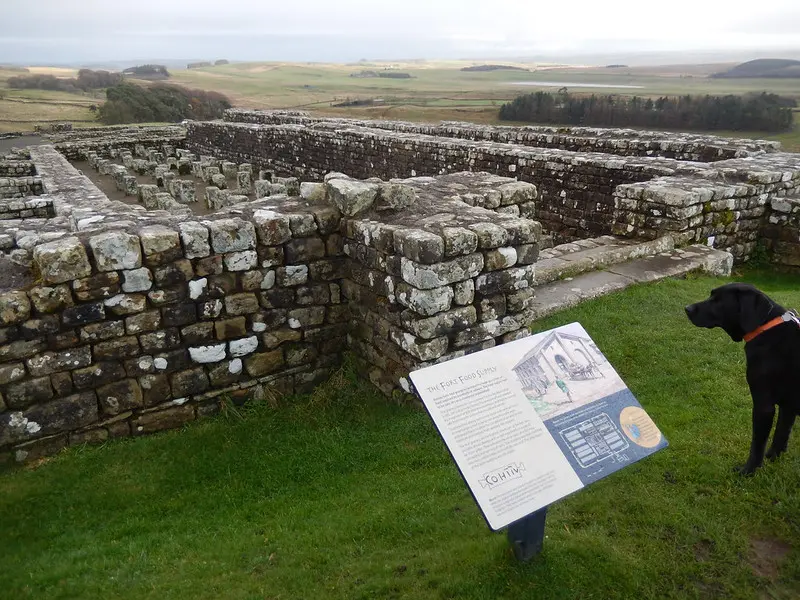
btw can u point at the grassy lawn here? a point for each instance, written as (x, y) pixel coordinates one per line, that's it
(338, 495)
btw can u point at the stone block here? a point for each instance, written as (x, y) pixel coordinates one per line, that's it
(418, 245)
(66, 360)
(119, 397)
(158, 341)
(51, 299)
(527, 254)
(125, 304)
(292, 184)
(161, 245)
(14, 308)
(273, 339)
(62, 260)
(31, 391)
(351, 197)
(208, 354)
(20, 349)
(441, 324)
(116, 250)
(62, 383)
(499, 258)
(243, 182)
(211, 265)
(312, 192)
(395, 196)
(97, 374)
(243, 347)
(424, 302)
(195, 240)
(272, 227)
(231, 235)
(161, 420)
(219, 181)
(264, 363)
(83, 314)
(459, 241)
(230, 328)
(155, 389)
(117, 348)
(198, 334)
(241, 304)
(299, 318)
(189, 382)
(146, 321)
(291, 275)
(443, 273)
(9, 373)
(174, 273)
(419, 348)
(489, 235)
(506, 281)
(179, 315)
(53, 417)
(241, 261)
(96, 287)
(302, 250)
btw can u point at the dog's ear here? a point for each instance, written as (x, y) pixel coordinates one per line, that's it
(754, 308)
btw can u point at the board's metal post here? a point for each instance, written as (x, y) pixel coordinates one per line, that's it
(526, 536)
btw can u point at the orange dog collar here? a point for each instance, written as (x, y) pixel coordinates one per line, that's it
(784, 318)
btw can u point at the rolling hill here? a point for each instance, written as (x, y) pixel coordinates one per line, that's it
(764, 68)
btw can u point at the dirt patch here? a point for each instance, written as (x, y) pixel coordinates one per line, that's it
(19, 142)
(703, 550)
(767, 556)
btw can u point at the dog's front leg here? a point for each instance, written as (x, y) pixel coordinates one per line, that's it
(780, 440)
(762, 424)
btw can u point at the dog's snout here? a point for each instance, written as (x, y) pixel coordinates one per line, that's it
(690, 309)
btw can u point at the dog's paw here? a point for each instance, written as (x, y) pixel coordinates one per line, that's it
(745, 470)
(774, 453)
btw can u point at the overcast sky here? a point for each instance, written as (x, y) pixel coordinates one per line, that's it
(49, 31)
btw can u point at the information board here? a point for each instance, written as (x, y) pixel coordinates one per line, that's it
(531, 421)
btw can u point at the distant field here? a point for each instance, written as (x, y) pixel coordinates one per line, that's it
(437, 90)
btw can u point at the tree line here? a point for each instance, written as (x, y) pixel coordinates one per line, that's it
(161, 102)
(87, 79)
(750, 112)
(148, 72)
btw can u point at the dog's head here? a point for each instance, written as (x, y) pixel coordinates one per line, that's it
(738, 308)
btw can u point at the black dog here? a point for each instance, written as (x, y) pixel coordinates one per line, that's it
(772, 349)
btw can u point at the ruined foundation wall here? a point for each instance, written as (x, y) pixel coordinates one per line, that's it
(139, 320)
(621, 142)
(575, 190)
(77, 145)
(733, 207)
(728, 203)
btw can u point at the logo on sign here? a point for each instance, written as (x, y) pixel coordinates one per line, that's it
(498, 477)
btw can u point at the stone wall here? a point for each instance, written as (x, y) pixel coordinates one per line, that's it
(621, 142)
(781, 233)
(580, 194)
(19, 187)
(26, 209)
(77, 144)
(732, 207)
(575, 190)
(139, 320)
(16, 168)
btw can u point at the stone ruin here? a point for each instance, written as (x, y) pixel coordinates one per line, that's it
(406, 244)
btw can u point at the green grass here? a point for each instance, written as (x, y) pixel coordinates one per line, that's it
(339, 495)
